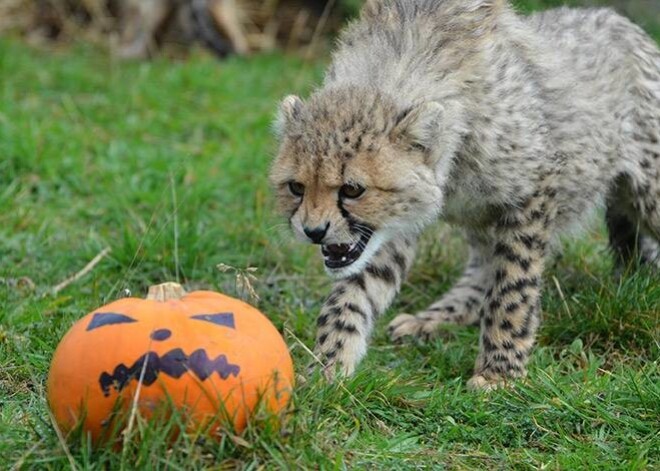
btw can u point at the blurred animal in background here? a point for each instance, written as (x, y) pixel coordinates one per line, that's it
(216, 23)
(138, 29)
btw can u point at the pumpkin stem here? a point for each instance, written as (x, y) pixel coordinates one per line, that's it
(165, 292)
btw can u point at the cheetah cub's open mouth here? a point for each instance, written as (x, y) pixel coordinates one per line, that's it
(343, 255)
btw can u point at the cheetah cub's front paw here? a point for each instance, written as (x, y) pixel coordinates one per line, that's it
(488, 378)
(481, 383)
(339, 355)
(331, 369)
(423, 326)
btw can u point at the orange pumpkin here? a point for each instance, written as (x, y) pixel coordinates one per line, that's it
(204, 352)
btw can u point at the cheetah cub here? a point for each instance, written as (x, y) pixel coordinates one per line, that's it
(513, 128)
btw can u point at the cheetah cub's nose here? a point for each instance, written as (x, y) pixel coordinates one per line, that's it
(316, 234)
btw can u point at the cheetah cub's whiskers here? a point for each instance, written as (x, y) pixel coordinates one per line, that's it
(510, 127)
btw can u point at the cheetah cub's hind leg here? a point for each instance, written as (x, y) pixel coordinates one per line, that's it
(629, 241)
(633, 210)
(633, 213)
(646, 192)
(460, 305)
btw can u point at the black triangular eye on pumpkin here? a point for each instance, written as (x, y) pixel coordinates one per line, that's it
(222, 318)
(107, 318)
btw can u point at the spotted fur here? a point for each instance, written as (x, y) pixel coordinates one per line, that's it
(513, 128)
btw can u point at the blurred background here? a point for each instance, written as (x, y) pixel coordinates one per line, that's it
(138, 29)
(142, 28)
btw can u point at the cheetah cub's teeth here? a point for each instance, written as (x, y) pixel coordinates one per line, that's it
(342, 255)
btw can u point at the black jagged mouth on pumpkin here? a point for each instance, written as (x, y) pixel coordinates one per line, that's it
(342, 255)
(174, 363)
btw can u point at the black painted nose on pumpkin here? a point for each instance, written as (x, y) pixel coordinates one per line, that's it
(161, 334)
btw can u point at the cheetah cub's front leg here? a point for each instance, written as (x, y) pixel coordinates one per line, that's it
(460, 305)
(348, 315)
(511, 309)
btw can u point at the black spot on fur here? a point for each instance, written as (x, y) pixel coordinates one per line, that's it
(518, 285)
(383, 273)
(505, 251)
(494, 304)
(489, 346)
(334, 311)
(511, 307)
(500, 357)
(339, 291)
(471, 302)
(524, 264)
(536, 215)
(400, 261)
(333, 299)
(345, 327)
(506, 325)
(522, 333)
(353, 308)
(528, 240)
(358, 280)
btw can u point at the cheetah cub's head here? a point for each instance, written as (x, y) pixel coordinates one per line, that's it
(353, 171)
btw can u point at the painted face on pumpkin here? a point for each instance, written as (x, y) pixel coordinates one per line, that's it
(202, 352)
(174, 363)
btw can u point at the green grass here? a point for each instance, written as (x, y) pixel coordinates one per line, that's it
(166, 162)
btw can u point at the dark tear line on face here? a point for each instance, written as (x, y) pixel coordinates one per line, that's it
(174, 363)
(351, 221)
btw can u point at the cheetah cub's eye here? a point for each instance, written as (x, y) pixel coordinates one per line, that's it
(297, 189)
(351, 191)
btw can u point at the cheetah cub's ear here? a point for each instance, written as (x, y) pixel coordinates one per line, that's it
(420, 127)
(289, 112)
